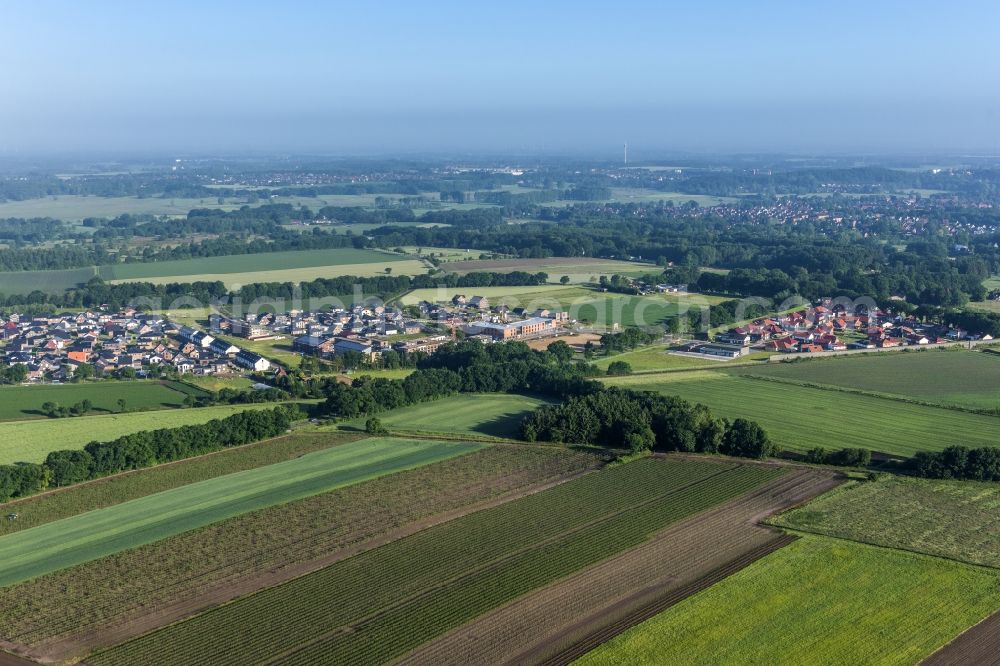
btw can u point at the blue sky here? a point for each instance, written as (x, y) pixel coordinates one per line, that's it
(541, 77)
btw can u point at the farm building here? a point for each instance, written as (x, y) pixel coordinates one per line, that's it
(723, 351)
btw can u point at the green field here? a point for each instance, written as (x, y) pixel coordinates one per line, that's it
(31, 441)
(799, 418)
(816, 601)
(56, 281)
(102, 594)
(492, 414)
(248, 263)
(24, 402)
(656, 358)
(378, 605)
(290, 266)
(500, 294)
(959, 520)
(580, 270)
(84, 537)
(953, 377)
(71, 500)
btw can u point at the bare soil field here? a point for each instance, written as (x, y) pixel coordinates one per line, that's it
(978, 645)
(70, 613)
(560, 622)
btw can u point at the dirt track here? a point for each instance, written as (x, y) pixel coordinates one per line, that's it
(979, 645)
(7, 659)
(558, 623)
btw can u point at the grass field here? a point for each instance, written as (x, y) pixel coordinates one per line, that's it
(218, 382)
(799, 418)
(237, 556)
(500, 294)
(377, 605)
(31, 441)
(953, 377)
(78, 539)
(24, 402)
(72, 500)
(492, 414)
(56, 281)
(291, 266)
(656, 358)
(263, 262)
(959, 520)
(579, 269)
(816, 601)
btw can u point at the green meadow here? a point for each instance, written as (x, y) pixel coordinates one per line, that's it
(799, 418)
(25, 402)
(31, 441)
(491, 414)
(952, 376)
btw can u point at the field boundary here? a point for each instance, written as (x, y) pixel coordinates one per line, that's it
(656, 606)
(61, 489)
(902, 549)
(547, 621)
(871, 394)
(221, 595)
(979, 644)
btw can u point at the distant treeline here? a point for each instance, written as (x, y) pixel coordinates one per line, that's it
(142, 449)
(97, 292)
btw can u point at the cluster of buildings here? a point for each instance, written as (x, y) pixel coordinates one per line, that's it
(478, 319)
(832, 328)
(363, 329)
(371, 330)
(53, 347)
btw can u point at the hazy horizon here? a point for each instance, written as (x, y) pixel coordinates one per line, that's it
(567, 78)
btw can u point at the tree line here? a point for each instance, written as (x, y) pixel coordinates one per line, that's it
(142, 449)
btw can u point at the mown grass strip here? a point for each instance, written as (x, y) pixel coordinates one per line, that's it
(100, 493)
(85, 537)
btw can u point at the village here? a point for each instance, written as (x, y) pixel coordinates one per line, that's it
(130, 343)
(828, 327)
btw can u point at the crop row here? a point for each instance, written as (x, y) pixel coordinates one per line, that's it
(421, 585)
(406, 626)
(107, 592)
